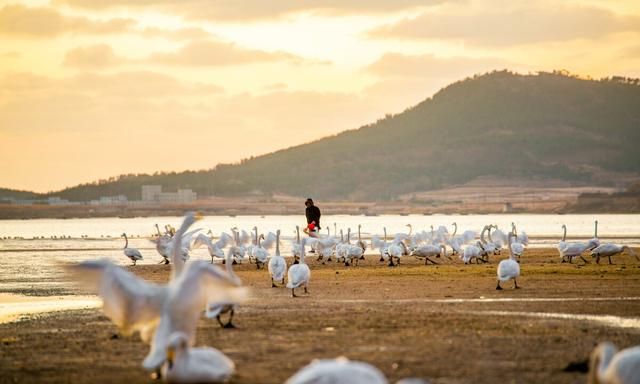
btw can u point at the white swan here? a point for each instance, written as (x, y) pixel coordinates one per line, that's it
(299, 274)
(570, 250)
(295, 246)
(162, 245)
(456, 242)
(132, 253)
(427, 251)
(338, 371)
(381, 244)
(277, 265)
(562, 243)
(353, 253)
(610, 366)
(516, 247)
(216, 250)
(488, 246)
(608, 250)
(509, 269)
(194, 365)
(472, 251)
(260, 253)
(397, 250)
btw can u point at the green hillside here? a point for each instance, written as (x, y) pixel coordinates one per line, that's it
(548, 125)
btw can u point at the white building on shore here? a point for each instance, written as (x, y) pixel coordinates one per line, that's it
(154, 194)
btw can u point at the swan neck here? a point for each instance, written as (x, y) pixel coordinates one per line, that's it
(511, 235)
(600, 360)
(595, 234)
(564, 234)
(126, 241)
(278, 243)
(455, 229)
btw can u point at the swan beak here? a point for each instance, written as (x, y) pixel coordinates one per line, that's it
(170, 357)
(199, 216)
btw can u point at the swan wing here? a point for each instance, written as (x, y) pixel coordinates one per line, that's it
(132, 303)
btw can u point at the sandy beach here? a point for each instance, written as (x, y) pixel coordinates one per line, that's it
(446, 323)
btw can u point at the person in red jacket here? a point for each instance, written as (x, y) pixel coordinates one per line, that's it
(313, 220)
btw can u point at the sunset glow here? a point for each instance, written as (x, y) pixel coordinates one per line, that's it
(94, 88)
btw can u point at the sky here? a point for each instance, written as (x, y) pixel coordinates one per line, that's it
(91, 89)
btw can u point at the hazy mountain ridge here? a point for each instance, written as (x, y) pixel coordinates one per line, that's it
(501, 124)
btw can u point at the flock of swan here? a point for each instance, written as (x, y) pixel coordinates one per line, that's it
(166, 316)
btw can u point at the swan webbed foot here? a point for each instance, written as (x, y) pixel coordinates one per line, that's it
(229, 325)
(498, 287)
(220, 321)
(305, 290)
(515, 284)
(234, 263)
(293, 293)
(296, 262)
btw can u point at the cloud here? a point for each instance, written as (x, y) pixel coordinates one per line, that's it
(95, 56)
(217, 53)
(257, 9)
(400, 65)
(524, 23)
(176, 34)
(46, 22)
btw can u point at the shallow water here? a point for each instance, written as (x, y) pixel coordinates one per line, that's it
(12, 307)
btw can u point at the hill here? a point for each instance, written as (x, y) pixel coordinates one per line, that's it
(543, 126)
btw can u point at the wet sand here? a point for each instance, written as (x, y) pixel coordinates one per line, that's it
(445, 322)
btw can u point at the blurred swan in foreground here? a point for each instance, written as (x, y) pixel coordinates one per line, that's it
(194, 365)
(343, 371)
(157, 311)
(610, 366)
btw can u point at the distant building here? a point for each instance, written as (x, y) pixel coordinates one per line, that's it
(154, 194)
(151, 193)
(110, 200)
(57, 201)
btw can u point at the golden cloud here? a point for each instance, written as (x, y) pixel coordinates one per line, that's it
(256, 9)
(217, 53)
(46, 22)
(523, 23)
